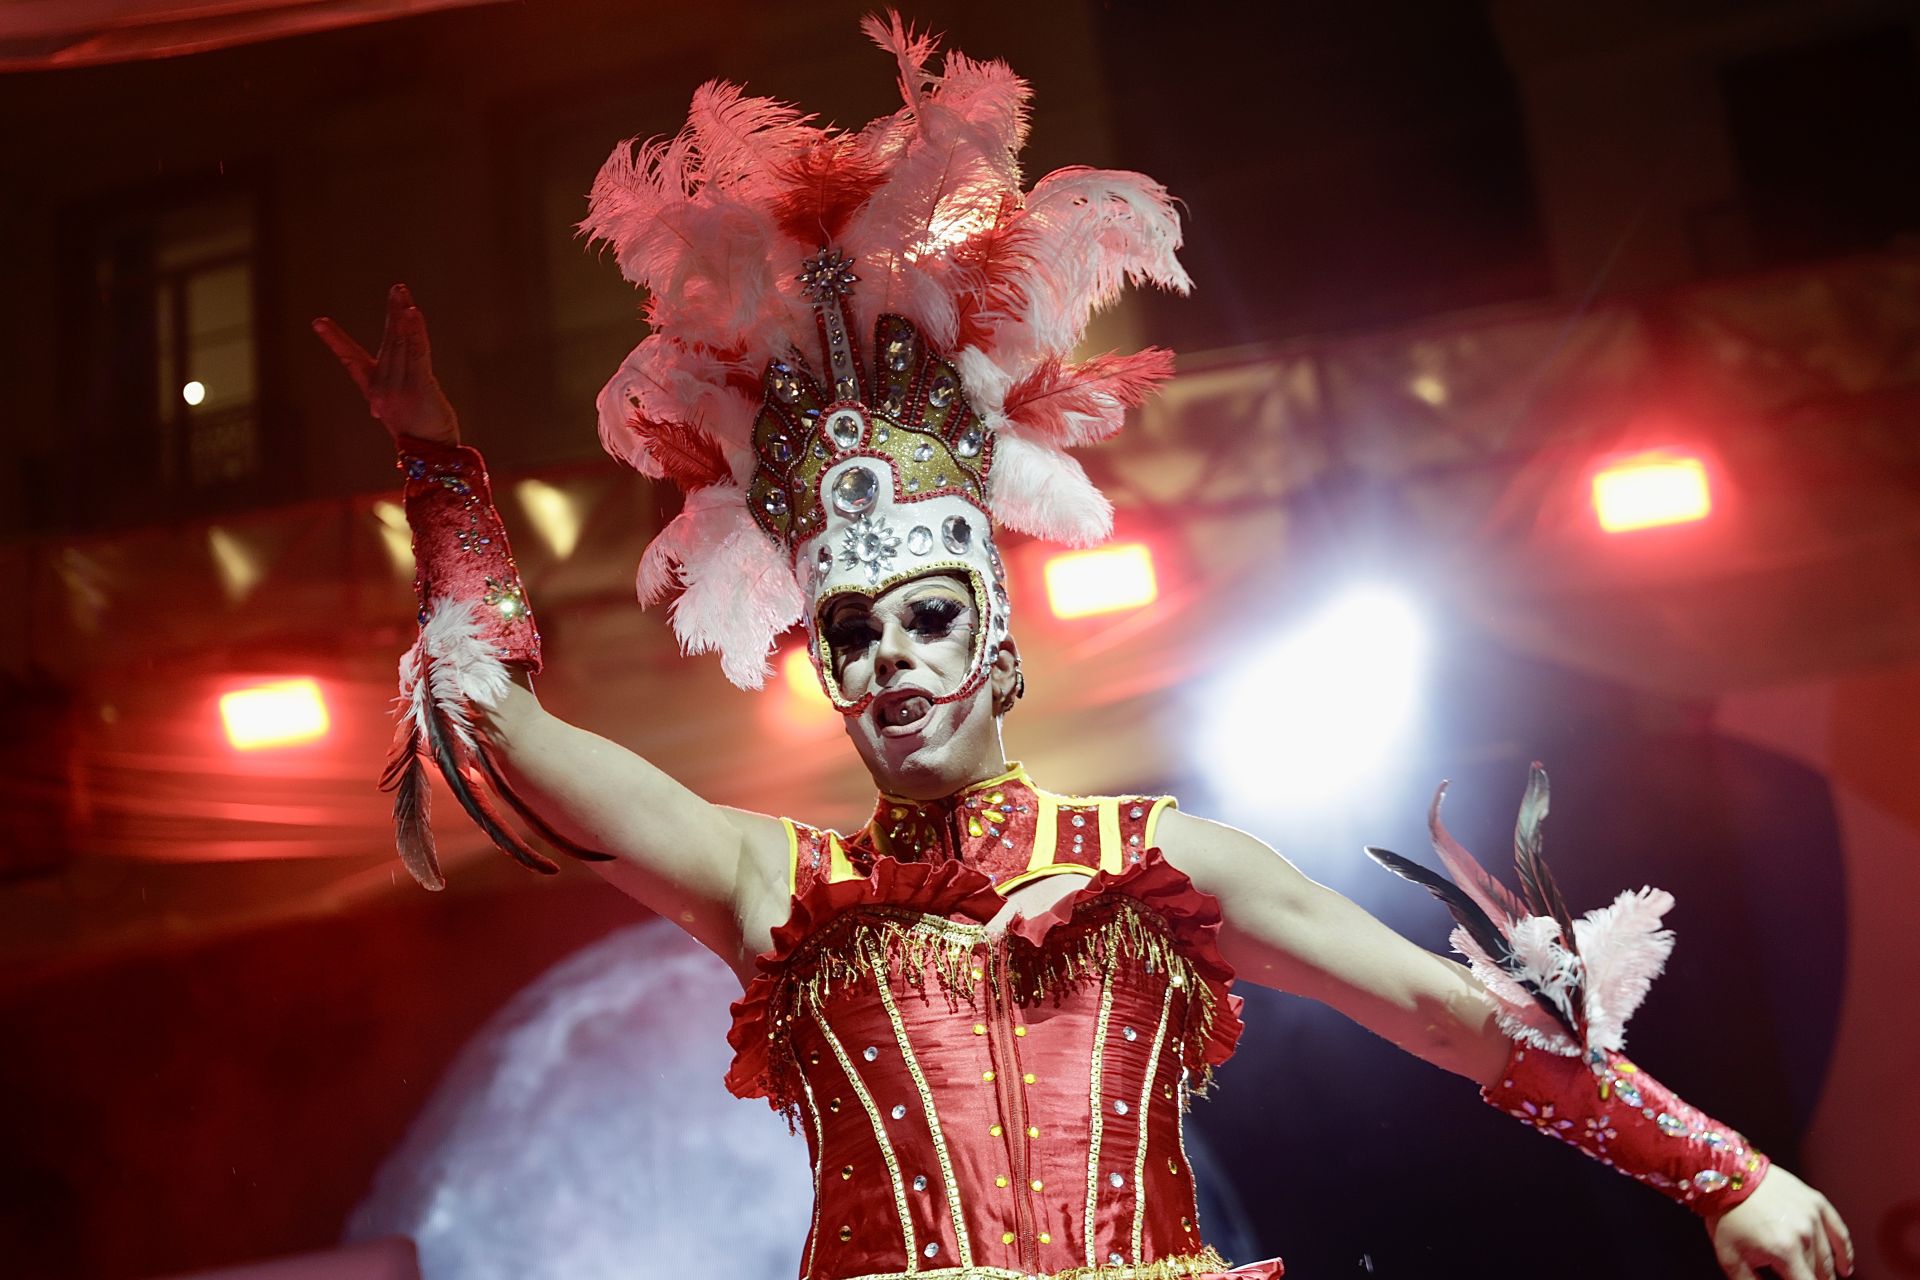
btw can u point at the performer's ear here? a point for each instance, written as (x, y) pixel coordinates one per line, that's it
(1009, 682)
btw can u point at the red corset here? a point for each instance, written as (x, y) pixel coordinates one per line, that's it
(993, 1106)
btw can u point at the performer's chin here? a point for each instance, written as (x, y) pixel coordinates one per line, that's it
(916, 750)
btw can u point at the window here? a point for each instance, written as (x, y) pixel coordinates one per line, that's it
(166, 357)
(205, 369)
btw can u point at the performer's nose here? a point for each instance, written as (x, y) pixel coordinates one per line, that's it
(894, 653)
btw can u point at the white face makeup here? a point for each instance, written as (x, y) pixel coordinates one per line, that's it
(908, 647)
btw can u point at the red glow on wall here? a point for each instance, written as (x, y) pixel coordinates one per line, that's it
(1105, 580)
(1651, 489)
(282, 713)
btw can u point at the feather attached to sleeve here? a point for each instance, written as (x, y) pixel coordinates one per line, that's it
(449, 672)
(406, 777)
(1560, 984)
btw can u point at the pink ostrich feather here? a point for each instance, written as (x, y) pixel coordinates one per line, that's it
(737, 591)
(666, 381)
(1077, 404)
(1624, 949)
(1095, 231)
(1517, 1012)
(713, 223)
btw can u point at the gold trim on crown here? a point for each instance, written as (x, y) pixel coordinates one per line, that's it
(918, 422)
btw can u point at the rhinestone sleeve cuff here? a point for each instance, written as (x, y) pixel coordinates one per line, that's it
(460, 548)
(1623, 1117)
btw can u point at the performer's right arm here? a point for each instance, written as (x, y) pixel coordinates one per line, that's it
(721, 874)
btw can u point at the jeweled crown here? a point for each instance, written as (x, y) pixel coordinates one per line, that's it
(905, 408)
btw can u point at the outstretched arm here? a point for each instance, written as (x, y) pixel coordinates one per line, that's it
(718, 873)
(1282, 929)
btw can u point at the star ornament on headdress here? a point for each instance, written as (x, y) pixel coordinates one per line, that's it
(868, 546)
(827, 275)
(918, 369)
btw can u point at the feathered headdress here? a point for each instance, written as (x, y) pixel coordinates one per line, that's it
(764, 239)
(1564, 985)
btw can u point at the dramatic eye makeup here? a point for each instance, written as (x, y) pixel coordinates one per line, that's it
(933, 617)
(935, 614)
(850, 630)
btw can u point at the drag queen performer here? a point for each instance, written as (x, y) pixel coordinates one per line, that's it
(988, 1008)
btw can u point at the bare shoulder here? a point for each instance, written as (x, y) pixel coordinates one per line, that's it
(763, 893)
(1223, 860)
(1184, 837)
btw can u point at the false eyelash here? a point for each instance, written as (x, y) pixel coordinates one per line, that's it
(855, 633)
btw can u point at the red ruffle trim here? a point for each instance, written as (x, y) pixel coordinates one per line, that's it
(931, 888)
(1192, 915)
(1271, 1269)
(955, 889)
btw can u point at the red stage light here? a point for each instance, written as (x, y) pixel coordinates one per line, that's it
(1651, 489)
(279, 714)
(1106, 580)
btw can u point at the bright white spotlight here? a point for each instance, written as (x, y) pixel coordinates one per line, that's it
(194, 392)
(1309, 719)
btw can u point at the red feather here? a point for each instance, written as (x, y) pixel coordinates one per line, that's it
(825, 185)
(990, 266)
(1082, 403)
(685, 454)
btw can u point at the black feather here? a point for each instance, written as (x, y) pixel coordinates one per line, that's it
(406, 777)
(1538, 887)
(412, 827)
(447, 750)
(1479, 926)
(534, 820)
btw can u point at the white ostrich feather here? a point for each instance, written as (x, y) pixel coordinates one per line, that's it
(1543, 962)
(987, 382)
(1624, 950)
(1043, 491)
(465, 670)
(1519, 1015)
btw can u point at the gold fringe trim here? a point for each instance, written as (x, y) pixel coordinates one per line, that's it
(898, 945)
(1174, 1268)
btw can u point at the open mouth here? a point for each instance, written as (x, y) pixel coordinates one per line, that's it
(902, 712)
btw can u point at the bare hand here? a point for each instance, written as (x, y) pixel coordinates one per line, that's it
(1784, 1225)
(399, 385)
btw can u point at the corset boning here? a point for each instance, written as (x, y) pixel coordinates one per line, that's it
(987, 1106)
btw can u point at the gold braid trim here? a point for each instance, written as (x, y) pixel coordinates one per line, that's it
(1174, 1268)
(1096, 1107)
(1146, 1101)
(820, 1155)
(879, 1137)
(962, 1242)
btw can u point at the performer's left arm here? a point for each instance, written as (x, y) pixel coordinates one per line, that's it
(1284, 930)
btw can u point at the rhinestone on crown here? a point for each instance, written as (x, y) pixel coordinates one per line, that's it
(914, 416)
